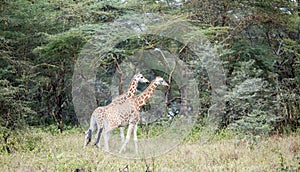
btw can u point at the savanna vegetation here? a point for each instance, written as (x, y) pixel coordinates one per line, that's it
(257, 43)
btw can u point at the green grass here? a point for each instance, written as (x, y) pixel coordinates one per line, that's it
(63, 152)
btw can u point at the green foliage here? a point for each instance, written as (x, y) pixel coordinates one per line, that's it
(40, 42)
(256, 123)
(54, 72)
(14, 110)
(250, 110)
(31, 139)
(283, 165)
(20, 141)
(260, 53)
(53, 16)
(286, 77)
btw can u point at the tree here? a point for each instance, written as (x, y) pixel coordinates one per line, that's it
(55, 67)
(40, 42)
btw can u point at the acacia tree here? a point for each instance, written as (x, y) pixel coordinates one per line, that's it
(270, 38)
(264, 35)
(56, 62)
(37, 32)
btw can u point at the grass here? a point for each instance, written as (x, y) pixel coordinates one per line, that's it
(63, 152)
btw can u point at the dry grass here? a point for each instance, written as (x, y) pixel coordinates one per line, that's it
(65, 153)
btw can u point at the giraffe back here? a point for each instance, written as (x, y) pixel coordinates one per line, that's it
(122, 114)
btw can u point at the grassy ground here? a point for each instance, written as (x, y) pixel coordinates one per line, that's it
(63, 152)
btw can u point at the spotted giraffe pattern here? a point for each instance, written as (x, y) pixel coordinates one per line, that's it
(128, 113)
(97, 115)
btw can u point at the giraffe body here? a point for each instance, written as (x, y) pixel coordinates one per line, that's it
(128, 113)
(98, 114)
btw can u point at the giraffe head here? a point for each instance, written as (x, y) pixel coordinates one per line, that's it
(134, 83)
(140, 78)
(146, 94)
(160, 81)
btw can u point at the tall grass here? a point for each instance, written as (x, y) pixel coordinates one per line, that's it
(40, 150)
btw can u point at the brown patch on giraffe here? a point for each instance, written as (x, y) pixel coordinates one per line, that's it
(129, 95)
(141, 103)
(147, 97)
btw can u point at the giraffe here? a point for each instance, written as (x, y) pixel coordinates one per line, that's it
(128, 113)
(97, 115)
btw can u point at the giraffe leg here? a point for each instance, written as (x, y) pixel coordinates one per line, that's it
(106, 136)
(122, 133)
(88, 137)
(88, 133)
(130, 127)
(98, 137)
(135, 139)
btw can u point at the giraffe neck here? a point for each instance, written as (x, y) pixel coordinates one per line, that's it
(132, 88)
(144, 97)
